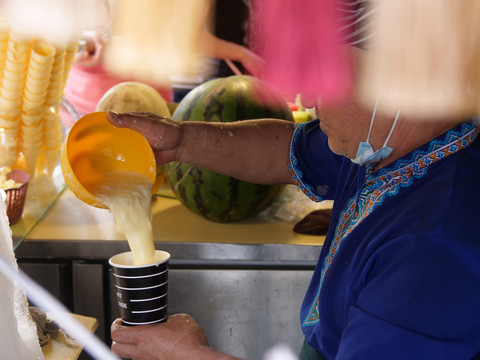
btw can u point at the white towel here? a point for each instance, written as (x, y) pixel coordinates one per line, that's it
(18, 334)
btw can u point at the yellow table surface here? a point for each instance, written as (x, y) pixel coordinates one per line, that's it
(71, 219)
(60, 347)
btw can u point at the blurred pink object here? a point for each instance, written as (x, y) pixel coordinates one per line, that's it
(16, 196)
(301, 43)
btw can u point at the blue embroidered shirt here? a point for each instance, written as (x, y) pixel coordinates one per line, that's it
(399, 273)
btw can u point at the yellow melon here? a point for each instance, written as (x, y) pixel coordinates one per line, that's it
(130, 96)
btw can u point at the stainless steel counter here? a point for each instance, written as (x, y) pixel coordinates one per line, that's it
(243, 282)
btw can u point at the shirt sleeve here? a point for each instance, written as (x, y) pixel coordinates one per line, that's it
(416, 300)
(313, 165)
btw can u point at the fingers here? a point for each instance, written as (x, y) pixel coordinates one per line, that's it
(125, 351)
(179, 337)
(123, 344)
(122, 334)
(131, 119)
(163, 134)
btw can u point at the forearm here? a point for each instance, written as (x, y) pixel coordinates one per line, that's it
(215, 47)
(252, 150)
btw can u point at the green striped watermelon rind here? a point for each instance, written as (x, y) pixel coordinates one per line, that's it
(214, 196)
(218, 197)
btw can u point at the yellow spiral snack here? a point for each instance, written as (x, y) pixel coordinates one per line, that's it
(33, 74)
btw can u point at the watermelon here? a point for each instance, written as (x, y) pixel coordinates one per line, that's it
(214, 196)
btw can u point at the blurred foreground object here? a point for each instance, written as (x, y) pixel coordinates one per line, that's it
(152, 39)
(425, 58)
(33, 74)
(300, 42)
(18, 335)
(58, 21)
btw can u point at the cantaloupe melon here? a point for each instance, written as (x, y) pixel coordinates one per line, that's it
(132, 96)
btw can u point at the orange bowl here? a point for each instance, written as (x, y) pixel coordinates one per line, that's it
(95, 150)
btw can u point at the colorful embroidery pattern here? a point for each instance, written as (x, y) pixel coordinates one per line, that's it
(296, 173)
(388, 182)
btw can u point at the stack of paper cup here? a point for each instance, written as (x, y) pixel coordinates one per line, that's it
(18, 51)
(9, 122)
(52, 138)
(55, 88)
(70, 52)
(33, 74)
(52, 128)
(35, 93)
(3, 43)
(14, 68)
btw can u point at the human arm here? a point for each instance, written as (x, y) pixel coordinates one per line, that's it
(249, 150)
(221, 49)
(215, 47)
(91, 53)
(181, 337)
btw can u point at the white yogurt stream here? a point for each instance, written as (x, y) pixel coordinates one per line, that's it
(128, 196)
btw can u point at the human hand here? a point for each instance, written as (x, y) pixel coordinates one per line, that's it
(163, 134)
(181, 337)
(252, 62)
(92, 52)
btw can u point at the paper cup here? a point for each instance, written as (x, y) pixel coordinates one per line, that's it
(10, 94)
(4, 34)
(30, 148)
(55, 85)
(32, 138)
(18, 67)
(9, 124)
(18, 47)
(36, 85)
(53, 133)
(35, 96)
(52, 125)
(14, 75)
(9, 104)
(57, 77)
(9, 138)
(7, 157)
(52, 143)
(141, 289)
(12, 84)
(31, 107)
(58, 67)
(17, 57)
(53, 100)
(45, 68)
(31, 156)
(9, 133)
(40, 75)
(17, 37)
(42, 52)
(10, 114)
(52, 158)
(32, 130)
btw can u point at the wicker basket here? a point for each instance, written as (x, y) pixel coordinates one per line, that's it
(16, 196)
